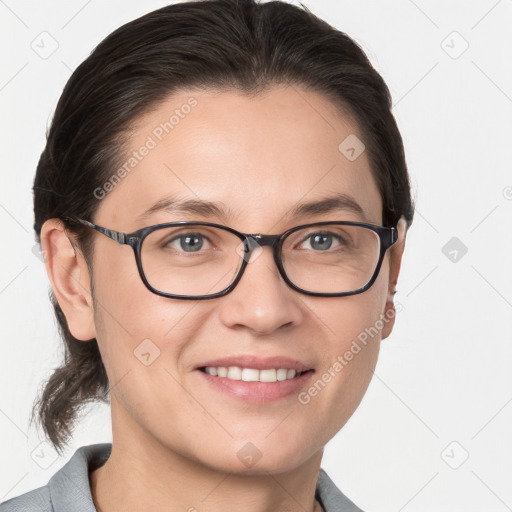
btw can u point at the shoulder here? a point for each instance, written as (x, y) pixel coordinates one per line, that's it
(332, 499)
(37, 500)
(68, 490)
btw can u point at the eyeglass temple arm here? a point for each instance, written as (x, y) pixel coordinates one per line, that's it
(118, 237)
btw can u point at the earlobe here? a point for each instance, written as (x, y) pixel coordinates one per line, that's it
(69, 278)
(395, 262)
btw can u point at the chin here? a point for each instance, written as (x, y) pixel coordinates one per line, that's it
(259, 458)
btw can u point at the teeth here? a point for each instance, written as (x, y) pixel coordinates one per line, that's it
(282, 374)
(269, 375)
(234, 373)
(251, 374)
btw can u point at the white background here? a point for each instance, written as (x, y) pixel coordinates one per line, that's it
(444, 376)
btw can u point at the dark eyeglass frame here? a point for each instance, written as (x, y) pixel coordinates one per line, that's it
(388, 235)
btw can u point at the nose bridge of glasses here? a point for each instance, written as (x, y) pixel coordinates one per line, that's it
(263, 240)
(254, 243)
(257, 240)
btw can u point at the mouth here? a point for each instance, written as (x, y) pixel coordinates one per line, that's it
(255, 379)
(238, 373)
(253, 385)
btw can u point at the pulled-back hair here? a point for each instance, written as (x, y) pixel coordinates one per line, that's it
(238, 45)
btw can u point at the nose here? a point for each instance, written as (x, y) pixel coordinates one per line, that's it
(261, 301)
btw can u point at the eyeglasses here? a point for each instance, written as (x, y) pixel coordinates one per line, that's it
(203, 260)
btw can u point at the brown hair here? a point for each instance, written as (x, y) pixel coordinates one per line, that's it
(225, 44)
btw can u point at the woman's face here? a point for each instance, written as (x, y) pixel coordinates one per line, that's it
(257, 158)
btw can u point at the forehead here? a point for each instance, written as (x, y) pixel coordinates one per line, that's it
(257, 158)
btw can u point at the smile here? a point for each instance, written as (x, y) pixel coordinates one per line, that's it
(252, 374)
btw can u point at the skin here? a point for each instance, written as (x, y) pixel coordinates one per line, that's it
(174, 435)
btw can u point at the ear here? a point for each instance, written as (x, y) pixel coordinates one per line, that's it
(395, 262)
(69, 277)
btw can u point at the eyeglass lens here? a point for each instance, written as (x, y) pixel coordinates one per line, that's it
(198, 260)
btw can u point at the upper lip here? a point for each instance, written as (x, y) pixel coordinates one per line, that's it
(258, 363)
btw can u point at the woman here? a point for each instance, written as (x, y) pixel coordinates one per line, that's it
(248, 155)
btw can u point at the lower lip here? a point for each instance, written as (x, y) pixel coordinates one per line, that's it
(258, 392)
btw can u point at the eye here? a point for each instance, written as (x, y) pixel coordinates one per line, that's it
(187, 242)
(323, 241)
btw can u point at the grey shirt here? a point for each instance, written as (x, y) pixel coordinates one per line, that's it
(68, 490)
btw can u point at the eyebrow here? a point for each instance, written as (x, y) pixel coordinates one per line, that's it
(336, 202)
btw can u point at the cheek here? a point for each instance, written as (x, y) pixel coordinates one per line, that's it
(141, 341)
(351, 345)
(352, 319)
(127, 306)
(136, 329)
